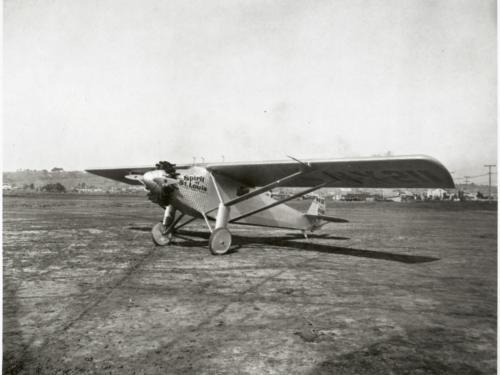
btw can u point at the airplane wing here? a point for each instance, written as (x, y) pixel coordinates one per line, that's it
(119, 174)
(416, 171)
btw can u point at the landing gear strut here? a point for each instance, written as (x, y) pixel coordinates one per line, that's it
(162, 232)
(220, 239)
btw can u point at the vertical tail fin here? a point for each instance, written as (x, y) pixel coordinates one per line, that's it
(317, 206)
(316, 214)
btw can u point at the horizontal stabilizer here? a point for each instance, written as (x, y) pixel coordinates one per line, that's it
(328, 218)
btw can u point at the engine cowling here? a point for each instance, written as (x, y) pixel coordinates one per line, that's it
(161, 185)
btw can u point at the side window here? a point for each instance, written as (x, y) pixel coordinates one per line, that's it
(242, 190)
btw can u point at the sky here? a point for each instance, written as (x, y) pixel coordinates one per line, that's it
(101, 83)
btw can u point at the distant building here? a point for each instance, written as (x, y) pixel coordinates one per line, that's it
(280, 195)
(57, 169)
(309, 196)
(7, 187)
(470, 196)
(437, 194)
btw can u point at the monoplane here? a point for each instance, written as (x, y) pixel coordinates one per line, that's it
(237, 193)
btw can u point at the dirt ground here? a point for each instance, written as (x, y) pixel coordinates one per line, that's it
(404, 288)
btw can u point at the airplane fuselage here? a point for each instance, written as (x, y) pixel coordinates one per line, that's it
(196, 194)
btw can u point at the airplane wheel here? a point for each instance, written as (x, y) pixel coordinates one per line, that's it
(161, 234)
(220, 241)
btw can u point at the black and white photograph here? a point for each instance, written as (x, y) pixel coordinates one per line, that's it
(249, 187)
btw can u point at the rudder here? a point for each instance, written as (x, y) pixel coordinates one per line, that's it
(318, 207)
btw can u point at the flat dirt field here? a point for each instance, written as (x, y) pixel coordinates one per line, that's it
(404, 288)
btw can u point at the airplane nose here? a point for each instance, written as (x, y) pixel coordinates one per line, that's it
(159, 185)
(158, 179)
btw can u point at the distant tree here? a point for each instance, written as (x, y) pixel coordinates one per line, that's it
(479, 195)
(54, 188)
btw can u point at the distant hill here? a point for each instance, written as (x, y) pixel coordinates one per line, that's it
(83, 180)
(70, 179)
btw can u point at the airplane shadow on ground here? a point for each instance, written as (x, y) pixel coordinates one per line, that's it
(295, 241)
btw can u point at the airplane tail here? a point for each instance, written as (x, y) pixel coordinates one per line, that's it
(316, 214)
(317, 207)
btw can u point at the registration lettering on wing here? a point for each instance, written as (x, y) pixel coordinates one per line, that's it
(381, 177)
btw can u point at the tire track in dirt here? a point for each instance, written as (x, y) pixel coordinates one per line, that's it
(110, 290)
(239, 296)
(26, 354)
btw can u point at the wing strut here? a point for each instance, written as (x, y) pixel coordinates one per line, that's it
(206, 221)
(260, 190)
(186, 222)
(224, 207)
(300, 193)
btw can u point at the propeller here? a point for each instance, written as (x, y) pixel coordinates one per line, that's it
(160, 183)
(169, 168)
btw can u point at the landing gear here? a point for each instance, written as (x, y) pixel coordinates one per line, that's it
(162, 235)
(162, 232)
(220, 241)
